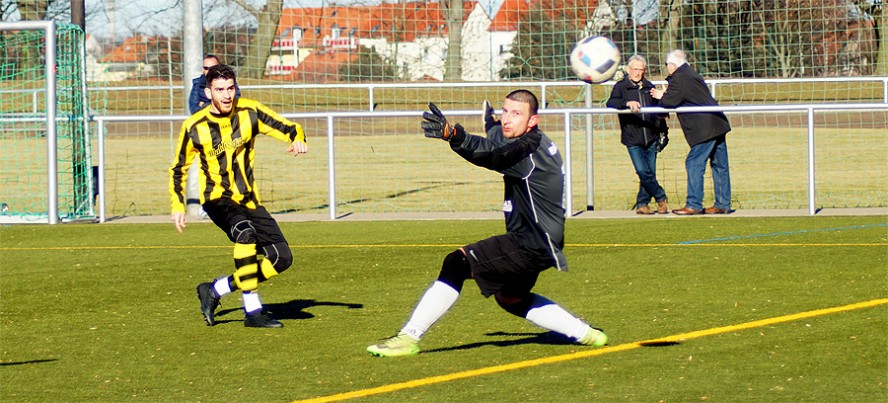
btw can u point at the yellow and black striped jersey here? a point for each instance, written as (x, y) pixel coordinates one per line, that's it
(225, 146)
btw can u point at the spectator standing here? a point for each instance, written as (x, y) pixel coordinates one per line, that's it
(643, 134)
(705, 133)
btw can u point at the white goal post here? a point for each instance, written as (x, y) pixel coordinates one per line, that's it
(49, 36)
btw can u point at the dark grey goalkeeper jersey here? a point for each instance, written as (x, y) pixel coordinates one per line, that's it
(533, 175)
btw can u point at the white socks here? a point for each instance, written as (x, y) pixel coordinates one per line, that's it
(251, 302)
(549, 315)
(440, 297)
(221, 287)
(436, 301)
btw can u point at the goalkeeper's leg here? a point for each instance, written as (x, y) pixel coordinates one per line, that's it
(440, 296)
(435, 302)
(548, 315)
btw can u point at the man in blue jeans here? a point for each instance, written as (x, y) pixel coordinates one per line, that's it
(643, 134)
(704, 132)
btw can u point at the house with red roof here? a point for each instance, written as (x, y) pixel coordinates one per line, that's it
(412, 36)
(135, 57)
(505, 25)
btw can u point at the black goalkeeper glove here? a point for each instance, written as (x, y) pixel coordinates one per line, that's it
(435, 125)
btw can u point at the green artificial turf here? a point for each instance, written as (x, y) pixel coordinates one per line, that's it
(109, 313)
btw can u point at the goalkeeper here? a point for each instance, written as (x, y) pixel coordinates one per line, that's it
(223, 137)
(505, 266)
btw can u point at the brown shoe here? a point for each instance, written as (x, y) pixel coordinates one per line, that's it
(687, 211)
(662, 207)
(644, 210)
(715, 210)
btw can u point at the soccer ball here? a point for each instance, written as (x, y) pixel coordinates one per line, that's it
(595, 59)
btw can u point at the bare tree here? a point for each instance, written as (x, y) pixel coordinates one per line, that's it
(33, 10)
(268, 18)
(814, 38)
(454, 16)
(882, 68)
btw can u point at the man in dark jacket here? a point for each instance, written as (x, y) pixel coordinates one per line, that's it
(704, 132)
(643, 134)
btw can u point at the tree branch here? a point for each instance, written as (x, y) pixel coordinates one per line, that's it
(250, 9)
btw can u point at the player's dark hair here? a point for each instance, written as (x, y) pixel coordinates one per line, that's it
(220, 71)
(526, 97)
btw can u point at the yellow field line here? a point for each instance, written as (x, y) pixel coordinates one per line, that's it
(586, 353)
(361, 246)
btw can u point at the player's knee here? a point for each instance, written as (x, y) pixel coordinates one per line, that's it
(516, 305)
(243, 232)
(455, 270)
(279, 255)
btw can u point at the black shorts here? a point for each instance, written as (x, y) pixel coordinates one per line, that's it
(499, 265)
(226, 213)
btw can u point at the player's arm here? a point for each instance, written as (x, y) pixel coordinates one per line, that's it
(274, 125)
(475, 149)
(179, 176)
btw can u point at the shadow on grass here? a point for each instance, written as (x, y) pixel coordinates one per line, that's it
(7, 364)
(658, 343)
(550, 338)
(291, 310)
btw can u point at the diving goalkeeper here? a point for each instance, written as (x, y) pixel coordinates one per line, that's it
(505, 266)
(223, 137)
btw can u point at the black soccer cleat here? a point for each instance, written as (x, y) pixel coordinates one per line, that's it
(208, 302)
(260, 319)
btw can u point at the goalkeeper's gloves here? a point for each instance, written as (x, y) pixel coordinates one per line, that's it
(435, 125)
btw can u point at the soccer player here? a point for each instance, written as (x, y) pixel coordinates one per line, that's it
(505, 266)
(223, 137)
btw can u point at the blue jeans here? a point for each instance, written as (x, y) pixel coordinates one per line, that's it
(716, 152)
(645, 161)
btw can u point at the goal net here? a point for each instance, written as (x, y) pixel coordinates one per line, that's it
(45, 166)
(374, 56)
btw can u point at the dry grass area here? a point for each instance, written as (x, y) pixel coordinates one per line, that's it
(386, 166)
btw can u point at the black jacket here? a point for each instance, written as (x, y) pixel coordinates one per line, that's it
(637, 129)
(687, 88)
(533, 176)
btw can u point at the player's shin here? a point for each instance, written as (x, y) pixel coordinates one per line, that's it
(549, 315)
(246, 275)
(436, 301)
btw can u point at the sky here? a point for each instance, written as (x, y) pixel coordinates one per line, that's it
(164, 17)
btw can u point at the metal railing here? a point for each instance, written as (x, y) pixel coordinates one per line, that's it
(714, 84)
(332, 117)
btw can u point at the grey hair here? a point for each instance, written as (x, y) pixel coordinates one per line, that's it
(639, 58)
(677, 57)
